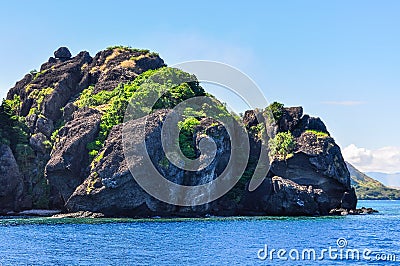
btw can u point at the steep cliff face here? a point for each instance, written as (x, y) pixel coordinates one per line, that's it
(70, 153)
(69, 158)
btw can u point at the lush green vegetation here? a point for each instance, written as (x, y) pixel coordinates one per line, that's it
(15, 133)
(282, 145)
(368, 191)
(158, 83)
(274, 111)
(319, 134)
(186, 141)
(13, 130)
(13, 105)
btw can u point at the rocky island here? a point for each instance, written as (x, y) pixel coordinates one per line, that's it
(61, 146)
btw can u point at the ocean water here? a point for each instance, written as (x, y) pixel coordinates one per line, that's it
(212, 241)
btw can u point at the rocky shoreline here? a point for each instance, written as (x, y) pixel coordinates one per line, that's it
(58, 214)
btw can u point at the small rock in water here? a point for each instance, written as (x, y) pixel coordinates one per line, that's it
(361, 211)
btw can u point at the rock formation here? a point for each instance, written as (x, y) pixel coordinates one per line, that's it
(60, 169)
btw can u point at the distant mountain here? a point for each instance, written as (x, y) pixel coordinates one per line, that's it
(369, 188)
(390, 180)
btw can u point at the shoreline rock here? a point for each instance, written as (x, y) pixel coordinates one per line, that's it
(344, 212)
(57, 214)
(80, 214)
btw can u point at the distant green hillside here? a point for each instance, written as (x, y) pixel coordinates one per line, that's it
(368, 188)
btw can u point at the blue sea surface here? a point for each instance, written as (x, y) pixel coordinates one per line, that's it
(211, 241)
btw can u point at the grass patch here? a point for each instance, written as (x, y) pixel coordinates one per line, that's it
(128, 63)
(319, 134)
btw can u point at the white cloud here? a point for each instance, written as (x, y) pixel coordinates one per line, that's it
(344, 103)
(386, 159)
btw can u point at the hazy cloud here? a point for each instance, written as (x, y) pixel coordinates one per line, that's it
(344, 103)
(386, 159)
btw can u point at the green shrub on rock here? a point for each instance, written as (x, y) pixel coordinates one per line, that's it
(186, 141)
(274, 111)
(282, 145)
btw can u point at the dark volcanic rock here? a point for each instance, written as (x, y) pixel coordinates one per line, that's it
(69, 85)
(313, 123)
(313, 181)
(37, 142)
(349, 200)
(11, 186)
(325, 156)
(68, 111)
(290, 118)
(317, 162)
(45, 126)
(69, 158)
(328, 176)
(344, 211)
(290, 198)
(114, 66)
(111, 189)
(50, 90)
(280, 196)
(62, 53)
(47, 101)
(250, 119)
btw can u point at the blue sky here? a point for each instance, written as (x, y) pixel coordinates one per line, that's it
(340, 60)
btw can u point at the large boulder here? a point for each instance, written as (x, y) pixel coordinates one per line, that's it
(62, 53)
(70, 156)
(11, 182)
(290, 118)
(38, 142)
(45, 126)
